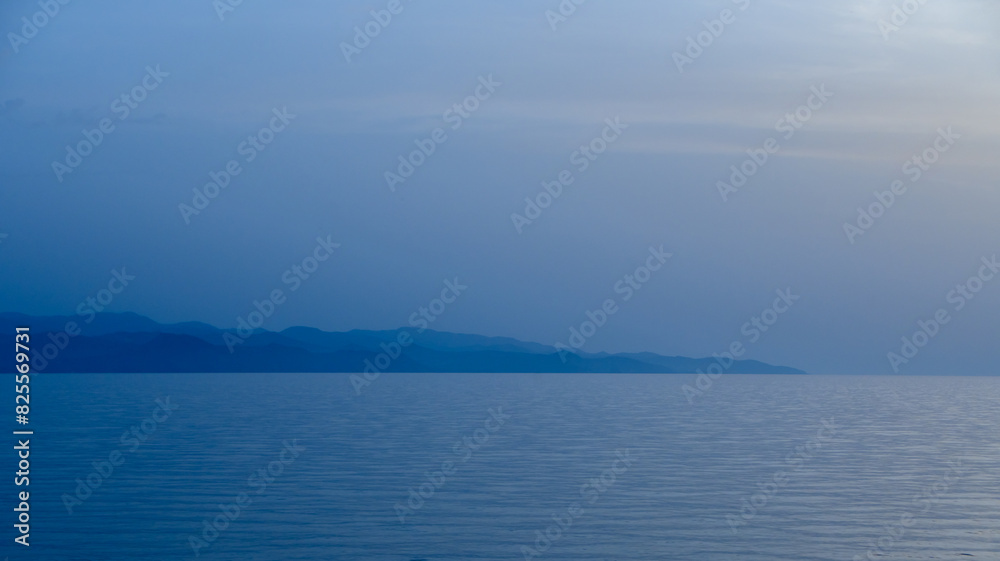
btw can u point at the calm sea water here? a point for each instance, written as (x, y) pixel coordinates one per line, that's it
(905, 468)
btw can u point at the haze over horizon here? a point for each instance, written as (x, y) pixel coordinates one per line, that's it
(664, 123)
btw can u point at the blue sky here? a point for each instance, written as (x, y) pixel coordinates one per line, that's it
(323, 174)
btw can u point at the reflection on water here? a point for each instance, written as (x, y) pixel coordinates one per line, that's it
(271, 467)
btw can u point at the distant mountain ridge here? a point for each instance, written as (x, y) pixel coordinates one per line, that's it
(128, 342)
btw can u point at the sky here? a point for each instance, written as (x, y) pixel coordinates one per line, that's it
(311, 105)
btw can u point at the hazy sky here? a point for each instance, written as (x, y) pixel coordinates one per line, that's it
(211, 82)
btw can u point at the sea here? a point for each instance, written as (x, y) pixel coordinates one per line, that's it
(429, 467)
